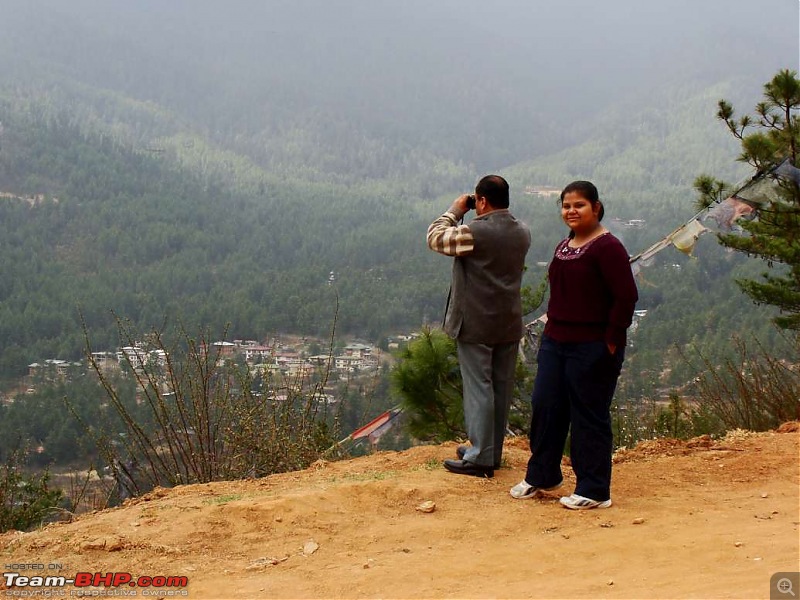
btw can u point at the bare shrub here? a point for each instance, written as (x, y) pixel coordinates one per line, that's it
(201, 416)
(753, 389)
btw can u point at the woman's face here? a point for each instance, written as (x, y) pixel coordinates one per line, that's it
(578, 213)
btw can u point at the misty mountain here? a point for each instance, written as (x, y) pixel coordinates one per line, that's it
(480, 87)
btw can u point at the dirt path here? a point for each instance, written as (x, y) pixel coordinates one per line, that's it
(690, 520)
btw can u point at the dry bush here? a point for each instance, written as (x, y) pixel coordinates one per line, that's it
(753, 389)
(201, 417)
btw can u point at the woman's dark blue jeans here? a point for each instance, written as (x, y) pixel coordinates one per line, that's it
(574, 386)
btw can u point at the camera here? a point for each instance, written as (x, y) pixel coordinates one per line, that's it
(471, 202)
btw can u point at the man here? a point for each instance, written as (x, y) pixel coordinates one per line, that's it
(484, 314)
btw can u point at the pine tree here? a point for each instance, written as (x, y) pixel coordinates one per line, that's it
(428, 380)
(767, 139)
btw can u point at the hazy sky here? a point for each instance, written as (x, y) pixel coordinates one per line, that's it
(594, 39)
(407, 64)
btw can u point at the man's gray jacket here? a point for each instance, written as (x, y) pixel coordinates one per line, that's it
(485, 305)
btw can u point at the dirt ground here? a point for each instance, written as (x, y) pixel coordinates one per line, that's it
(697, 519)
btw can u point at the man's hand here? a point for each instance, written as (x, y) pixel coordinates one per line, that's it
(459, 206)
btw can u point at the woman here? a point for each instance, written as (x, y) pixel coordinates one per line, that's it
(592, 297)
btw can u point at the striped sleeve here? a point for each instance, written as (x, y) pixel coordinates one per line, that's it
(446, 237)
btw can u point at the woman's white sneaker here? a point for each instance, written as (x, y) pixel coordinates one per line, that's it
(576, 502)
(524, 490)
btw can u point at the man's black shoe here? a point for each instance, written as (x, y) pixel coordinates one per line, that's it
(462, 450)
(463, 467)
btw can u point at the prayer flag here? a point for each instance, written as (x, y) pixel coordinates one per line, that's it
(376, 424)
(685, 237)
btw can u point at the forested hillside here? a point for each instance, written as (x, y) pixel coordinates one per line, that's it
(207, 166)
(121, 230)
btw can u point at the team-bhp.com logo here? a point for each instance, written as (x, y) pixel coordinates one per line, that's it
(98, 580)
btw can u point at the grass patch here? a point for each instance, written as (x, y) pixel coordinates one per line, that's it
(223, 499)
(376, 476)
(430, 465)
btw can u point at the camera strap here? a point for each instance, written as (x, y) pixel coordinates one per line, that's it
(447, 305)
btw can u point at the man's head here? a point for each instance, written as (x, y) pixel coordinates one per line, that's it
(494, 190)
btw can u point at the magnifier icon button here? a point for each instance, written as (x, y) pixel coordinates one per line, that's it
(785, 586)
